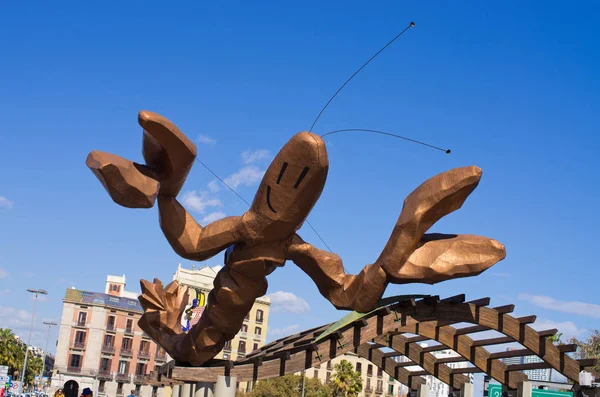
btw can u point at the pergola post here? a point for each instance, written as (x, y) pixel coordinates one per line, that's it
(423, 390)
(467, 390)
(204, 389)
(225, 386)
(524, 389)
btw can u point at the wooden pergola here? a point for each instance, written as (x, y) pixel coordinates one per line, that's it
(399, 330)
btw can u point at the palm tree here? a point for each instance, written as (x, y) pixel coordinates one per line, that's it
(9, 349)
(346, 381)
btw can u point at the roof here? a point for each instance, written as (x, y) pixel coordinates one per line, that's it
(101, 299)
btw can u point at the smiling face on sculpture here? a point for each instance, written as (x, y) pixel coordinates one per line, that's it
(291, 186)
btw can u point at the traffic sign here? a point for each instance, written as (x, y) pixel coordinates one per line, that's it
(495, 390)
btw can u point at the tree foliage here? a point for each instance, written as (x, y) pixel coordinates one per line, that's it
(12, 354)
(589, 348)
(346, 382)
(288, 386)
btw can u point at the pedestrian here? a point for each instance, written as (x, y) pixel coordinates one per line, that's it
(87, 392)
(132, 393)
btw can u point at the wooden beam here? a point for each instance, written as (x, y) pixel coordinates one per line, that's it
(512, 353)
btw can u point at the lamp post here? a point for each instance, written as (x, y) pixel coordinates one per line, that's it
(49, 324)
(36, 292)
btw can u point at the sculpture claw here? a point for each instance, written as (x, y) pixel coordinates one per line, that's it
(163, 307)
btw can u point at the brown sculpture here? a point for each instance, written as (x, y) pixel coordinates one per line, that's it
(265, 236)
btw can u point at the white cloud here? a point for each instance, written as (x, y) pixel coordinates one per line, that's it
(279, 332)
(546, 302)
(247, 176)
(3, 273)
(213, 186)
(14, 318)
(568, 328)
(206, 140)
(250, 157)
(5, 203)
(213, 216)
(199, 202)
(287, 302)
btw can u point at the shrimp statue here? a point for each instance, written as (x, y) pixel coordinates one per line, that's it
(264, 238)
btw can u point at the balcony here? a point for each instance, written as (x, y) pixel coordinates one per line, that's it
(108, 349)
(129, 331)
(104, 374)
(257, 337)
(111, 328)
(79, 345)
(126, 352)
(243, 334)
(74, 370)
(144, 354)
(139, 379)
(227, 349)
(80, 324)
(259, 320)
(145, 335)
(160, 357)
(122, 378)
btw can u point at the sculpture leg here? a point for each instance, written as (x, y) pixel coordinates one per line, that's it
(359, 292)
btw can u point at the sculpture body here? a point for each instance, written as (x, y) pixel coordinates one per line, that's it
(265, 236)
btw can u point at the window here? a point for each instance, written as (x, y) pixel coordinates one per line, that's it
(327, 377)
(105, 364)
(259, 316)
(379, 385)
(123, 367)
(144, 346)
(391, 389)
(227, 345)
(255, 347)
(257, 331)
(81, 319)
(242, 347)
(114, 288)
(126, 344)
(79, 338)
(244, 328)
(359, 367)
(137, 390)
(379, 372)
(316, 374)
(129, 326)
(369, 370)
(225, 356)
(110, 323)
(140, 369)
(391, 379)
(101, 386)
(120, 388)
(109, 340)
(75, 361)
(247, 318)
(328, 364)
(368, 384)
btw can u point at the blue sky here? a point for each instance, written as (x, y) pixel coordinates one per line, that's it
(510, 87)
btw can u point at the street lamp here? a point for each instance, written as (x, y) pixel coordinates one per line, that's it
(36, 292)
(49, 324)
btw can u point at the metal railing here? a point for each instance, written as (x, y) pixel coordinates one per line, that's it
(129, 330)
(243, 334)
(144, 354)
(124, 378)
(161, 357)
(108, 349)
(78, 345)
(126, 352)
(257, 337)
(81, 323)
(104, 374)
(139, 379)
(111, 327)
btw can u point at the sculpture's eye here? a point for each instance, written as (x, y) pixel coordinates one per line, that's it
(283, 167)
(301, 177)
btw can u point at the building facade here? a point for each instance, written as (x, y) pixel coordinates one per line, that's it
(542, 375)
(100, 345)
